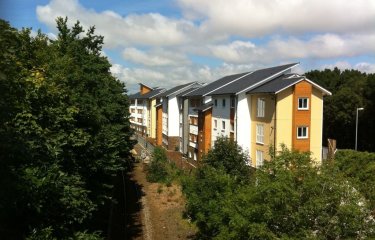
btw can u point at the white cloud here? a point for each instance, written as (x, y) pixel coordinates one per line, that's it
(285, 31)
(134, 29)
(257, 18)
(365, 67)
(318, 47)
(156, 57)
(361, 66)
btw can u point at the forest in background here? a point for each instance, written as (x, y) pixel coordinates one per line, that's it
(350, 90)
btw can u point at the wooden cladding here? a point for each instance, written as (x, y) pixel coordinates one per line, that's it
(159, 125)
(144, 89)
(301, 117)
(204, 128)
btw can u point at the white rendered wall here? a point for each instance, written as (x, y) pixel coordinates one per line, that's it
(165, 116)
(173, 117)
(220, 114)
(243, 126)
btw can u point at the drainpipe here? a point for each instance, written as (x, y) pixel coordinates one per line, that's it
(274, 127)
(236, 114)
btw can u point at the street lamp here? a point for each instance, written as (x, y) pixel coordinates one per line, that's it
(356, 127)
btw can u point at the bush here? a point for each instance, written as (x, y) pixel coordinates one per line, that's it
(157, 170)
(288, 198)
(359, 167)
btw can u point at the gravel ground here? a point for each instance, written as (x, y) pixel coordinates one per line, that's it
(162, 208)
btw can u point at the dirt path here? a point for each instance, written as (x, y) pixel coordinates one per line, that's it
(162, 209)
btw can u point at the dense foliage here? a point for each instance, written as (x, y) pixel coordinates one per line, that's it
(350, 89)
(288, 198)
(64, 133)
(157, 170)
(359, 167)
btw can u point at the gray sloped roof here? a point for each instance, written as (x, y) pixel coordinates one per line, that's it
(276, 84)
(215, 85)
(174, 90)
(135, 96)
(252, 80)
(280, 83)
(148, 95)
(182, 94)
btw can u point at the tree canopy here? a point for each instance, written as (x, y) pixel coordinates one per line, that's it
(288, 198)
(350, 89)
(64, 132)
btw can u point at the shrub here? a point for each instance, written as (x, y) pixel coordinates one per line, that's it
(157, 170)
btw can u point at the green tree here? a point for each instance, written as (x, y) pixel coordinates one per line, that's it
(229, 156)
(64, 133)
(350, 89)
(359, 167)
(290, 197)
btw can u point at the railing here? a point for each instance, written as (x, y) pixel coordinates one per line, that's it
(142, 141)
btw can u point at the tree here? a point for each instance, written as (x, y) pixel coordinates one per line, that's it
(290, 197)
(359, 168)
(350, 89)
(64, 133)
(229, 156)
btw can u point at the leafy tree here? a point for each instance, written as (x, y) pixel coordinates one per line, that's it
(359, 167)
(157, 171)
(230, 157)
(64, 133)
(350, 89)
(288, 198)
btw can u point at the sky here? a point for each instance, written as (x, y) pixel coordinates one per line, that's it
(164, 43)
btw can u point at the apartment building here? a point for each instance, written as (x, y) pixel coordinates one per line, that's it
(258, 109)
(168, 115)
(270, 107)
(201, 125)
(142, 110)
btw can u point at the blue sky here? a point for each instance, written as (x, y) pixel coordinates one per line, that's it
(170, 42)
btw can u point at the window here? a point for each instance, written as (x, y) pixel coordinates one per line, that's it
(193, 138)
(232, 102)
(132, 102)
(302, 132)
(139, 120)
(224, 102)
(133, 110)
(193, 120)
(261, 106)
(232, 126)
(223, 125)
(140, 102)
(215, 102)
(259, 158)
(260, 133)
(139, 111)
(215, 123)
(195, 156)
(303, 103)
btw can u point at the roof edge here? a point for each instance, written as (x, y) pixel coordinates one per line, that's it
(266, 79)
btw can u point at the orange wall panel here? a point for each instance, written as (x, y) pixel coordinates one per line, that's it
(144, 89)
(159, 126)
(301, 117)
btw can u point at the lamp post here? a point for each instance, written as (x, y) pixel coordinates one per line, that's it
(356, 127)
